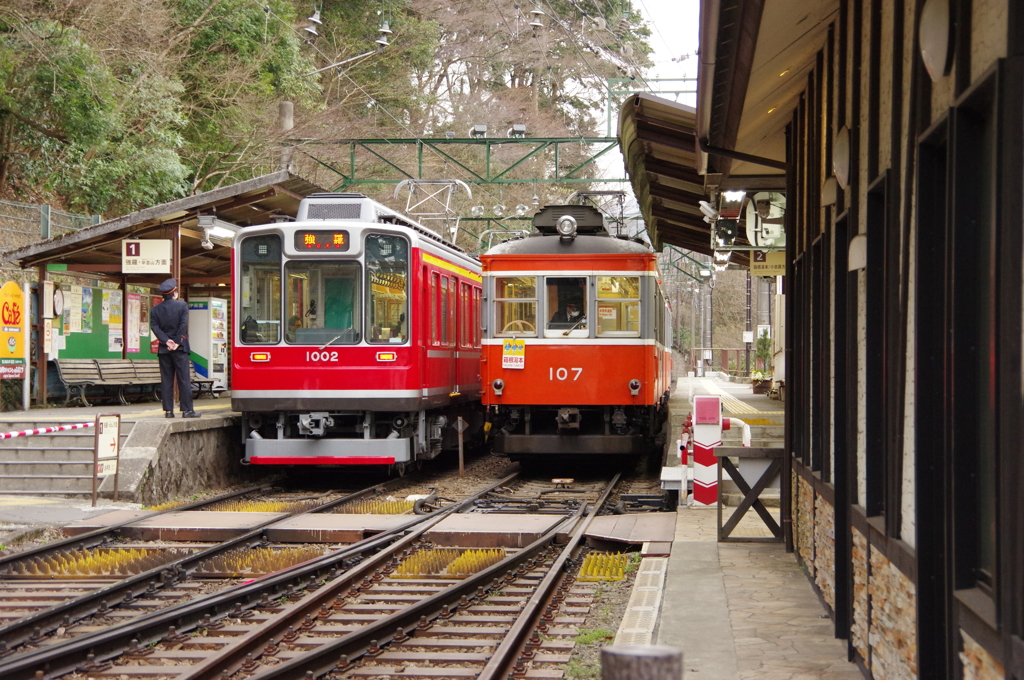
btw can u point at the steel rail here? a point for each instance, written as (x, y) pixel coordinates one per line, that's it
(500, 664)
(327, 658)
(169, 574)
(89, 650)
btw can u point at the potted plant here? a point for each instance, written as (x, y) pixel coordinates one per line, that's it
(761, 381)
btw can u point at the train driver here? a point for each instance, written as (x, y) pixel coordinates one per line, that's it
(571, 312)
(294, 324)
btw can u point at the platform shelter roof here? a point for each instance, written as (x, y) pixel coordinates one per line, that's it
(96, 250)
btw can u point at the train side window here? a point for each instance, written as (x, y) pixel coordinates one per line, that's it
(515, 305)
(387, 274)
(477, 319)
(453, 311)
(260, 313)
(567, 306)
(466, 317)
(435, 283)
(444, 310)
(618, 306)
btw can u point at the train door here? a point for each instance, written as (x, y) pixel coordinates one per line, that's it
(464, 344)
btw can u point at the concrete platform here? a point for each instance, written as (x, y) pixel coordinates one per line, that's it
(492, 530)
(736, 610)
(333, 528)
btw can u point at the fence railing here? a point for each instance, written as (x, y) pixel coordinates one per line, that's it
(25, 223)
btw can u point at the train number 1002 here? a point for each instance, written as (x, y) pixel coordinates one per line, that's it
(321, 356)
(563, 373)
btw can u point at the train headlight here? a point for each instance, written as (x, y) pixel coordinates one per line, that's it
(498, 386)
(566, 227)
(634, 387)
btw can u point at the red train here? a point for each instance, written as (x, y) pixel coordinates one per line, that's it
(357, 337)
(576, 358)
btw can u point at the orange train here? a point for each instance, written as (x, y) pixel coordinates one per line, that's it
(575, 356)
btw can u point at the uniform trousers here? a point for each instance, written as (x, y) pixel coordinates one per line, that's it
(175, 364)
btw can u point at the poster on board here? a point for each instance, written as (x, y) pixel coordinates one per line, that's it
(134, 319)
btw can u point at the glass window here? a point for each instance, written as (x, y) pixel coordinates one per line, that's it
(387, 275)
(567, 305)
(515, 305)
(618, 306)
(261, 290)
(434, 284)
(444, 310)
(476, 318)
(323, 302)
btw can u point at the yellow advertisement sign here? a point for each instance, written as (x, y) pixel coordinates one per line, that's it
(513, 354)
(13, 321)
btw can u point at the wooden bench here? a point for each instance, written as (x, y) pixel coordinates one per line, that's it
(79, 374)
(151, 369)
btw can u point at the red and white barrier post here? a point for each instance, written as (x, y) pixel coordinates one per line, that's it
(707, 434)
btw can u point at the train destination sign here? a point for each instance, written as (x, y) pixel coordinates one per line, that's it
(513, 354)
(321, 239)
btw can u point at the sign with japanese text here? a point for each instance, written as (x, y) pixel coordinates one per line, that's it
(771, 263)
(146, 256)
(513, 354)
(13, 323)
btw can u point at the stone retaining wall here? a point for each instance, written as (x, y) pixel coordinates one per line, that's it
(166, 459)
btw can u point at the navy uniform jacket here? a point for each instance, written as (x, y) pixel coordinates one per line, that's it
(169, 321)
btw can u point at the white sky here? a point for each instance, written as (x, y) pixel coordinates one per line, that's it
(674, 32)
(674, 28)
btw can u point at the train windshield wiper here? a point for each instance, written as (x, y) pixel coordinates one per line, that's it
(571, 328)
(331, 340)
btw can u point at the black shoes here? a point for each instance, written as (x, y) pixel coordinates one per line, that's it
(189, 414)
(168, 414)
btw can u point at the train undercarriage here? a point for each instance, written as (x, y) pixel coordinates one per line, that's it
(402, 439)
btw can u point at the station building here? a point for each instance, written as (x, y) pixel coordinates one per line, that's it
(893, 129)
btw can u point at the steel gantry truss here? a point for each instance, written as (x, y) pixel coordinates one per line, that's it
(417, 158)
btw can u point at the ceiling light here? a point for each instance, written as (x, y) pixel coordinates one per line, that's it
(772, 110)
(733, 195)
(784, 73)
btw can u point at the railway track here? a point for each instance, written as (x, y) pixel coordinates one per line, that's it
(406, 603)
(42, 599)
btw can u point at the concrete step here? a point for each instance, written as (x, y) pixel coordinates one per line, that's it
(45, 467)
(74, 438)
(46, 453)
(46, 483)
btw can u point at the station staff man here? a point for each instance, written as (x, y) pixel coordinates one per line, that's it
(169, 322)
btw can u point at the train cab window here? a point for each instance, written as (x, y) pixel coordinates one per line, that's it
(323, 302)
(387, 281)
(260, 312)
(618, 306)
(567, 306)
(515, 305)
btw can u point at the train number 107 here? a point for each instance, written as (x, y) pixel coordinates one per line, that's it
(563, 373)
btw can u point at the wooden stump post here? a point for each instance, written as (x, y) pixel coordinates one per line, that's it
(641, 662)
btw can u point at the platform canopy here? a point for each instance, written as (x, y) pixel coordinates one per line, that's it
(96, 250)
(753, 70)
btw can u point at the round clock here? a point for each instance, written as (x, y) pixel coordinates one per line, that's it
(58, 302)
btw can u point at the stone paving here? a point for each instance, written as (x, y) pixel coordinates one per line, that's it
(744, 611)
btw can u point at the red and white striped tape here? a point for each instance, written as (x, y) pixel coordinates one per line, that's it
(44, 430)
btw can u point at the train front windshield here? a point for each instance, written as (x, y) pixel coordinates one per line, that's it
(321, 302)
